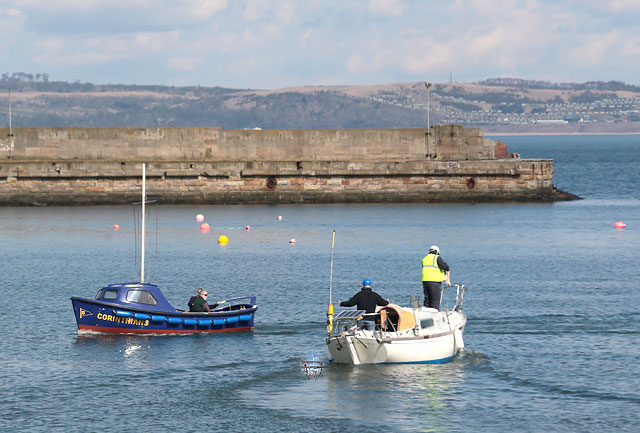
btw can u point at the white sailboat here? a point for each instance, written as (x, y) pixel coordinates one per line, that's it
(400, 335)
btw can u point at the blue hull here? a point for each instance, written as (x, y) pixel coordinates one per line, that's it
(114, 318)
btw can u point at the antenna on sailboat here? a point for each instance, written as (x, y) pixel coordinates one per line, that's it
(330, 307)
(143, 226)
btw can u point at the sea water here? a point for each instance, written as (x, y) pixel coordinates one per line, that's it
(551, 341)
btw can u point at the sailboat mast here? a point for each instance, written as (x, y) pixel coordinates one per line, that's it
(143, 226)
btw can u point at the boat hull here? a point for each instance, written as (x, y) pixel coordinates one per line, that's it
(359, 350)
(107, 318)
(375, 347)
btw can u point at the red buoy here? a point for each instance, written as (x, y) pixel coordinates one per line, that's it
(619, 225)
(199, 217)
(292, 241)
(116, 226)
(204, 227)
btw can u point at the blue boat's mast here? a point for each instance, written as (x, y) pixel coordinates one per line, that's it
(144, 198)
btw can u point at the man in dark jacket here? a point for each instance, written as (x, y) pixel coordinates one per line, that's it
(193, 299)
(366, 299)
(200, 304)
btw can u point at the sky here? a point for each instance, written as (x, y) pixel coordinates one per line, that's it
(272, 44)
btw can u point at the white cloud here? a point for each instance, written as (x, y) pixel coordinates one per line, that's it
(253, 42)
(306, 36)
(394, 8)
(623, 5)
(205, 8)
(53, 44)
(595, 48)
(13, 12)
(183, 63)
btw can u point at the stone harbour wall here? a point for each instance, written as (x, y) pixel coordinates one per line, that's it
(91, 166)
(445, 142)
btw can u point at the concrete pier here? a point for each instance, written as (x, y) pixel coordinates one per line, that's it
(449, 163)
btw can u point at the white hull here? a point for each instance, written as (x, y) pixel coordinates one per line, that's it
(436, 343)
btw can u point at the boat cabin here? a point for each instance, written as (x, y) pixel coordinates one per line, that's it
(394, 318)
(135, 295)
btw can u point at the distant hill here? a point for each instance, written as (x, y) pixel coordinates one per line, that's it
(497, 105)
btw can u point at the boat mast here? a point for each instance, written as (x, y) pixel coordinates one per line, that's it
(143, 227)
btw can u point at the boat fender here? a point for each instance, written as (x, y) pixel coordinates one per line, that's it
(174, 320)
(190, 322)
(204, 322)
(157, 318)
(120, 313)
(244, 317)
(141, 316)
(233, 319)
(217, 322)
(458, 339)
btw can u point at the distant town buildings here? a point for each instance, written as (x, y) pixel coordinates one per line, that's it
(455, 104)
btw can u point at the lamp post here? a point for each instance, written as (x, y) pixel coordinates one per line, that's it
(10, 130)
(428, 86)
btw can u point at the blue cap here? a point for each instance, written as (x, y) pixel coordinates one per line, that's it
(366, 282)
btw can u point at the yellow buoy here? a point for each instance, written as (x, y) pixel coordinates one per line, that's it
(222, 240)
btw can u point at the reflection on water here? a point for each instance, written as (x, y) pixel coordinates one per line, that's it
(401, 396)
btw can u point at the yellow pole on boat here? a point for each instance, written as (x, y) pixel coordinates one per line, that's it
(330, 307)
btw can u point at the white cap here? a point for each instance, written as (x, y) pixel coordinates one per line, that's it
(434, 248)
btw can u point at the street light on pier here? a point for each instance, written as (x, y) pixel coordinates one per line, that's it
(10, 130)
(428, 86)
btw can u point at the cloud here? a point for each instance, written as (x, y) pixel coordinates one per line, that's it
(183, 63)
(623, 5)
(13, 12)
(595, 48)
(284, 42)
(205, 8)
(394, 8)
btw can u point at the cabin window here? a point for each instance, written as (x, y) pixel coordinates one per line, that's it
(141, 297)
(426, 323)
(99, 294)
(110, 295)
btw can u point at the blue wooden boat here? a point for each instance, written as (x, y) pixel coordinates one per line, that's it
(141, 308)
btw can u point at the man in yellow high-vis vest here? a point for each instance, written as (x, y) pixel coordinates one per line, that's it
(434, 271)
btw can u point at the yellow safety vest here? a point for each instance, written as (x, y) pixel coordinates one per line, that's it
(430, 269)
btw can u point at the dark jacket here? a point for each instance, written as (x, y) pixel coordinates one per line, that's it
(442, 264)
(200, 305)
(366, 299)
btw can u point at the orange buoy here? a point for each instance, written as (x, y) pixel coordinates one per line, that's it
(222, 240)
(116, 226)
(619, 225)
(199, 217)
(204, 227)
(292, 241)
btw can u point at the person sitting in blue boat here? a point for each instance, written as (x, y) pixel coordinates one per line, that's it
(200, 304)
(366, 299)
(193, 299)
(201, 300)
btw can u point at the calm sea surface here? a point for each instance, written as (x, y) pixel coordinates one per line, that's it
(553, 301)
